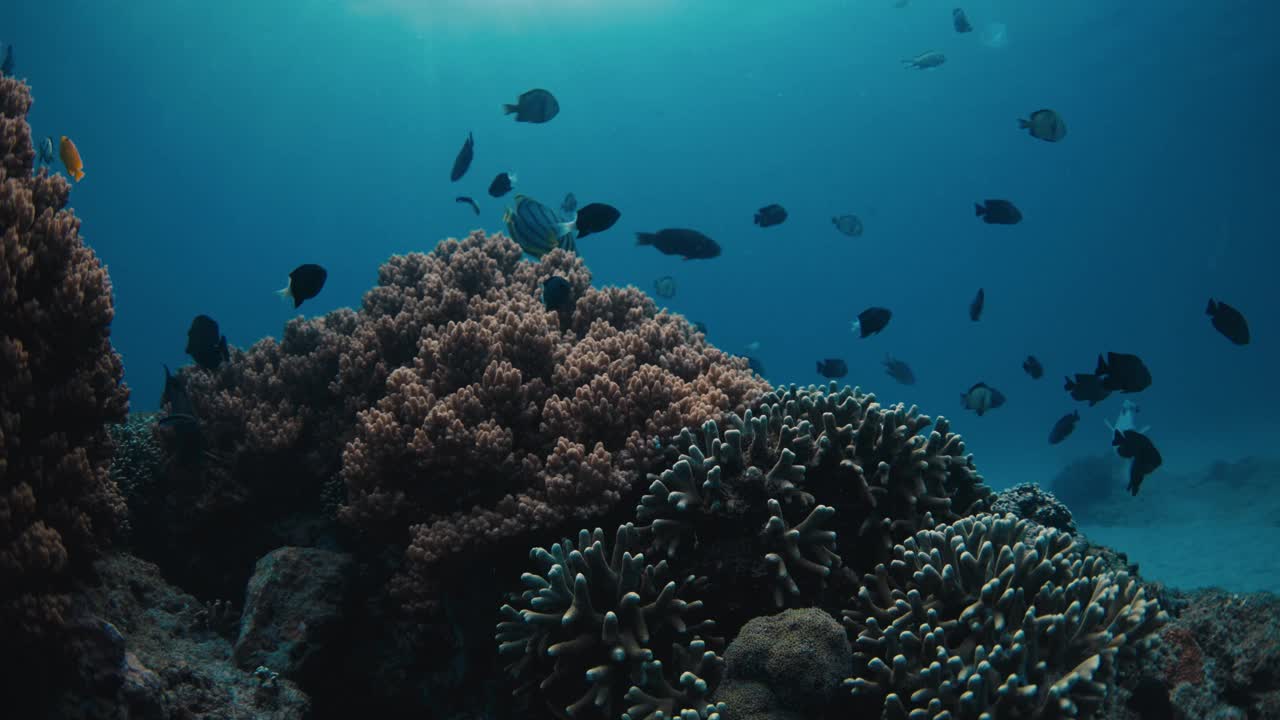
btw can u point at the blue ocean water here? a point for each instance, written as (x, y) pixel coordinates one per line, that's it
(225, 143)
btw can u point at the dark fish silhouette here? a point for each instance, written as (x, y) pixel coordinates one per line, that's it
(665, 287)
(1087, 388)
(176, 398)
(1139, 448)
(468, 201)
(595, 218)
(871, 321)
(770, 215)
(502, 184)
(305, 282)
(1123, 372)
(898, 370)
(556, 293)
(463, 161)
(6, 68)
(981, 398)
(205, 345)
(998, 212)
(534, 106)
(1045, 125)
(1228, 321)
(1064, 427)
(689, 244)
(1033, 367)
(700, 326)
(832, 368)
(960, 21)
(976, 305)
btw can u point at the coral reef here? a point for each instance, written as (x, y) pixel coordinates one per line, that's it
(798, 657)
(994, 615)
(595, 626)
(743, 505)
(1029, 501)
(60, 385)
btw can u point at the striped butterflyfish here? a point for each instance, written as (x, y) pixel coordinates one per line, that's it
(537, 228)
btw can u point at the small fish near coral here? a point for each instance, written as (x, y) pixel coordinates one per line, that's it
(1033, 367)
(977, 304)
(205, 344)
(71, 158)
(871, 321)
(981, 398)
(1228, 321)
(1064, 427)
(683, 242)
(832, 368)
(468, 201)
(770, 215)
(534, 106)
(898, 370)
(305, 282)
(557, 294)
(44, 153)
(926, 61)
(1133, 445)
(462, 162)
(594, 218)
(1044, 125)
(850, 225)
(665, 287)
(997, 212)
(502, 184)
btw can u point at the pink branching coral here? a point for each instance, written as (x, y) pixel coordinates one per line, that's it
(60, 385)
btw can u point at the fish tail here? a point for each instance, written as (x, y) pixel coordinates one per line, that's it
(1102, 367)
(285, 293)
(644, 238)
(819, 367)
(78, 175)
(507, 109)
(1068, 385)
(565, 228)
(1023, 124)
(511, 177)
(978, 210)
(1209, 310)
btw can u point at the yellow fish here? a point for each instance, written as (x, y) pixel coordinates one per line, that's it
(71, 158)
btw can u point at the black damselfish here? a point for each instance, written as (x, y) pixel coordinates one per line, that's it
(305, 282)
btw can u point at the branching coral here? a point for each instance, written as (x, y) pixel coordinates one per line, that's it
(771, 492)
(594, 625)
(60, 385)
(994, 617)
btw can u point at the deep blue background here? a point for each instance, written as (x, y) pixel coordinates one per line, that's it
(225, 143)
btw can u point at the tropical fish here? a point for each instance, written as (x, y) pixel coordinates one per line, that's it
(998, 212)
(71, 158)
(468, 201)
(1087, 388)
(832, 368)
(925, 61)
(960, 21)
(898, 370)
(665, 287)
(1228, 321)
(181, 410)
(1127, 419)
(981, 398)
(594, 218)
(1123, 372)
(1033, 367)
(205, 344)
(689, 244)
(305, 282)
(557, 293)
(537, 228)
(871, 321)
(850, 225)
(975, 306)
(1064, 427)
(1045, 125)
(1137, 447)
(502, 184)
(462, 162)
(770, 215)
(44, 153)
(534, 106)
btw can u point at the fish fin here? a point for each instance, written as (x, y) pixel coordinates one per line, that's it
(511, 177)
(1023, 124)
(285, 293)
(1102, 367)
(1068, 385)
(1209, 310)
(553, 241)
(78, 175)
(507, 108)
(978, 210)
(565, 228)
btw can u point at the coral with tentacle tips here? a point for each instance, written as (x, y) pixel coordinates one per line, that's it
(992, 616)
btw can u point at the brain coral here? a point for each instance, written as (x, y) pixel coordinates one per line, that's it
(59, 388)
(994, 617)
